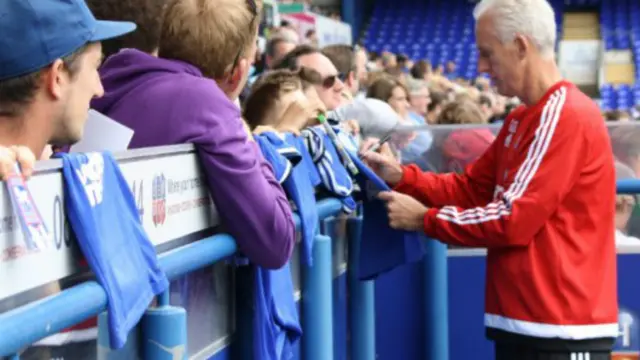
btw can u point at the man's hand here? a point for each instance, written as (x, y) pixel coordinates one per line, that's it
(20, 154)
(297, 115)
(405, 212)
(263, 129)
(382, 161)
(352, 127)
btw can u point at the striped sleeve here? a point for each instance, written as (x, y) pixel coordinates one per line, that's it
(551, 168)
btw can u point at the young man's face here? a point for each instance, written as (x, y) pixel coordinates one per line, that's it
(331, 89)
(74, 94)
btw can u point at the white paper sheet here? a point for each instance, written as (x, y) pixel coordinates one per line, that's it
(101, 133)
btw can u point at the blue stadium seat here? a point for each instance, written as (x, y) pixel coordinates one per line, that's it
(434, 30)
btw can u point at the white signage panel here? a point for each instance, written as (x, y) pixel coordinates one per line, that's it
(170, 193)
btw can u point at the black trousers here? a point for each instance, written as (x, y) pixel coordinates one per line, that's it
(507, 351)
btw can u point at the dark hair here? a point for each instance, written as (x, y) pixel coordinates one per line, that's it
(272, 45)
(437, 99)
(615, 115)
(290, 61)
(146, 14)
(17, 93)
(420, 69)
(342, 57)
(268, 88)
(382, 88)
(485, 100)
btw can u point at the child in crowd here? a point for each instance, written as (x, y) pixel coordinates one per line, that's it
(283, 104)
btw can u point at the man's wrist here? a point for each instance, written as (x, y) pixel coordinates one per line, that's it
(397, 179)
(428, 222)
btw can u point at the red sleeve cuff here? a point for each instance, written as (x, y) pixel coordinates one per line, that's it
(429, 222)
(408, 180)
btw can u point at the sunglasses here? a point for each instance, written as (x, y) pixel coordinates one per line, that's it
(330, 80)
(254, 13)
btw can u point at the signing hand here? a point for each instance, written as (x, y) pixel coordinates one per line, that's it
(405, 212)
(10, 155)
(382, 161)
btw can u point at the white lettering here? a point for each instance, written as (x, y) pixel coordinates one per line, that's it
(91, 175)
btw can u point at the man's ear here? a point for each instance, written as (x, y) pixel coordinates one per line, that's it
(54, 79)
(351, 79)
(235, 76)
(523, 45)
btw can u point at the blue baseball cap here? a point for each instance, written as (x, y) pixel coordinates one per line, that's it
(37, 32)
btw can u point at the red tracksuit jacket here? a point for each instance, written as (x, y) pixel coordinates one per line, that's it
(542, 200)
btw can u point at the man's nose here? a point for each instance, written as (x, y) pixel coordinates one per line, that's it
(483, 66)
(99, 92)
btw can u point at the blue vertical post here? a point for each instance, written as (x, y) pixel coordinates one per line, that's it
(361, 306)
(242, 347)
(14, 357)
(164, 331)
(436, 295)
(317, 303)
(128, 352)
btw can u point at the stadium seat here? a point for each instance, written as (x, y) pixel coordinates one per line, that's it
(434, 30)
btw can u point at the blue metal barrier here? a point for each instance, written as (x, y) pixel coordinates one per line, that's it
(25, 325)
(361, 310)
(317, 303)
(628, 186)
(436, 301)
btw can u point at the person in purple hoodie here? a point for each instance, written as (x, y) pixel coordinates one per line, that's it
(185, 95)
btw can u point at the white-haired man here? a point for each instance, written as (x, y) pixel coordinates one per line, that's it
(540, 199)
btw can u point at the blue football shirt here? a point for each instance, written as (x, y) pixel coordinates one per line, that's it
(299, 186)
(382, 248)
(334, 176)
(276, 326)
(105, 220)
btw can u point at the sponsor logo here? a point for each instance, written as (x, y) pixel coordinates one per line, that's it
(627, 345)
(159, 199)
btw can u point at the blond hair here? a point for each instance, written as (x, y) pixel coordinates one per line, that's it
(209, 34)
(461, 111)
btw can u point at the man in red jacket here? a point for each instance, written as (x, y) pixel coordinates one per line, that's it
(541, 199)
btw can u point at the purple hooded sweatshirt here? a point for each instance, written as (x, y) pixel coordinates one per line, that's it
(169, 102)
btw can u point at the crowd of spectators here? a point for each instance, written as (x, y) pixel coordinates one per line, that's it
(192, 72)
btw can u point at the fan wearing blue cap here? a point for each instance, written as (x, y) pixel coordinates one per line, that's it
(49, 69)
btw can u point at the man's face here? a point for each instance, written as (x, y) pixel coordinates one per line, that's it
(74, 95)
(451, 66)
(419, 101)
(399, 101)
(330, 92)
(500, 61)
(361, 65)
(241, 72)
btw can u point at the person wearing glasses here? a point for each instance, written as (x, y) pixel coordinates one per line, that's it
(331, 87)
(186, 95)
(344, 59)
